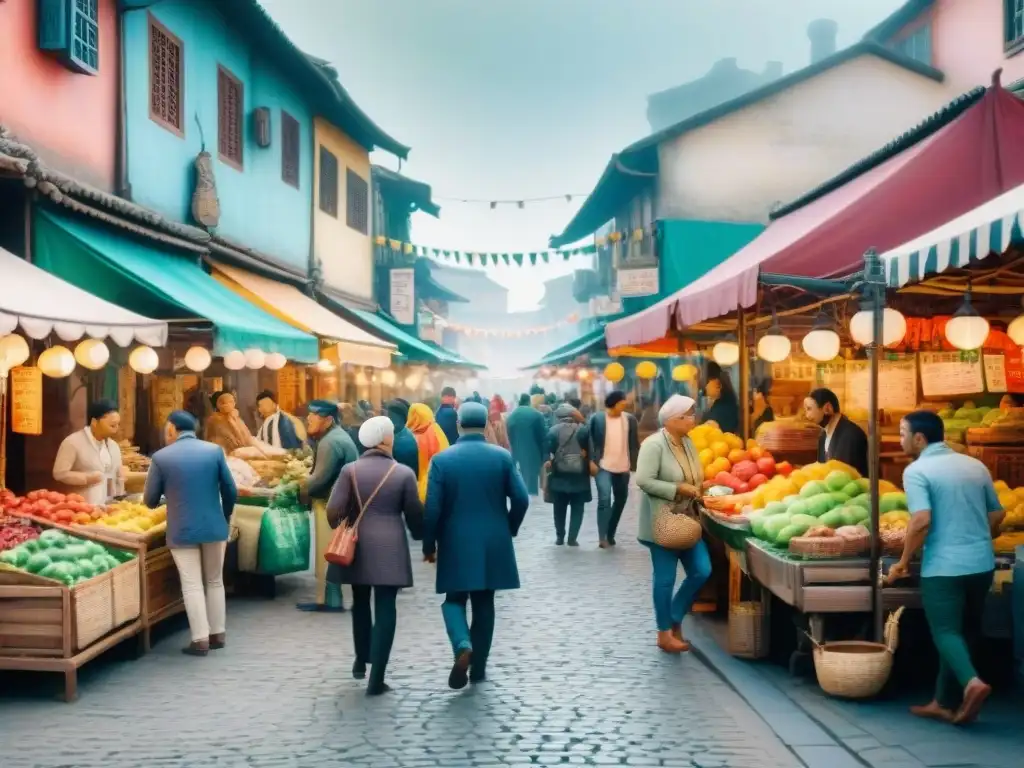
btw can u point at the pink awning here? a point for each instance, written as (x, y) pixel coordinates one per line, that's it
(962, 165)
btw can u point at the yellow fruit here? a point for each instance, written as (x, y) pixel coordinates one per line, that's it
(735, 442)
(706, 456)
(800, 478)
(1008, 499)
(751, 443)
(144, 523)
(835, 464)
(1000, 486)
(884, 486)
(700, 442)
(721, 448)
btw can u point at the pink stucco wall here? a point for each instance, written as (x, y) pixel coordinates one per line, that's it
(70, 119)
(967, 43)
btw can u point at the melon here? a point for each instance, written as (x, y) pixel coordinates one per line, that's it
(853, 489)
(805, 521)
(836, 480)
(798, 507)
(757, 521)
(775, 508)
(791, 498)
(893, 501)
(860, 514)
(813, 488)
(863, 501)
(819, 505)
(789, 532)
(833, 518)
(775, 524)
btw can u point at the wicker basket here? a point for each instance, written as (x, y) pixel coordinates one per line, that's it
(855, 669)
(818, 547)
(855, 546)
(92, 608)
(748, 636)
(126, 589)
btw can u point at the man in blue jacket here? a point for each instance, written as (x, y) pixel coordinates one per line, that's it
(405, 449)
(447, 417)
(476, 502)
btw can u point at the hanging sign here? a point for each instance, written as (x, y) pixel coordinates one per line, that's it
(897, 384)
(403, 295)
(995, 373)
(288, 391)
(637, 281)
(27, 400)
(949, 373)
(428, 328)
(1014, 362)
(603, 306)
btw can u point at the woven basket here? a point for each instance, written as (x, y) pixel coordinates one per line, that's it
(748, 638)
(855, 546)
(675, 530)
(93, 610)
(823, 547)
(855, 669)
(126, 591)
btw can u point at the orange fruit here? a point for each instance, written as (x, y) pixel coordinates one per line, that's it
(756, 452)
(706, 456)
(734, 441)
(736, 455)
(721, 448)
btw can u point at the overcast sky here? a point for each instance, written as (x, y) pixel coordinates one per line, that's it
(512, 99)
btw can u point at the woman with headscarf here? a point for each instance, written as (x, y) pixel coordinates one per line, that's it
(669, 473)
(496, 432)
(224, 426)
(383, 491)
(430, 439)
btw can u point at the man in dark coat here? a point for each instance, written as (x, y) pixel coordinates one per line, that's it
(840, 439)
(614, 447)
(476, 502)
(405, 449)
(446, 417)
(527, 434)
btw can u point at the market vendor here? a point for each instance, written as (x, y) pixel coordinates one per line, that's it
(761, 411)
(225, 427)
(89, 460)
(840, 439)
(724, 407)
(278, 429)
(333, 449)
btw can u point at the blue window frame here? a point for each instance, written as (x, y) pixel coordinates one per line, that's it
(70, 29)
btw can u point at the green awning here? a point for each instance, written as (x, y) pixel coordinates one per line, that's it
(589, 341)
(411, 348)
(137, 276)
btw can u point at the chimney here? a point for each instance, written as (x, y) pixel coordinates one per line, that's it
(822, 33)
(772, 71)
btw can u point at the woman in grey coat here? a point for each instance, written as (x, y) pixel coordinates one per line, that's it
(387, 491)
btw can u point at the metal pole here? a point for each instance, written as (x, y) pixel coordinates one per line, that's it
(875, 293)
(744, 383)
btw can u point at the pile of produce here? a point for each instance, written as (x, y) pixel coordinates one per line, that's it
(15, 531)
(1007, 543)
(131, 459)
(131, 517)
(298, 467)
(51, 506)
(65, 558)
(728, 464)
(243, 473)
(958, 421)
(1013, 502)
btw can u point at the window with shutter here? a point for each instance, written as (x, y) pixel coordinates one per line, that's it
(289, 149)
(328, 182)
(1013, 24)
(166, 59)
(230, 111)
(357, 204)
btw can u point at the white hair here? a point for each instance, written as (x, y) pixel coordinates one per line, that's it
(677, 405)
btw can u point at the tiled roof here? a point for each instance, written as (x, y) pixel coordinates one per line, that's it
(417, 192)
(898, 19)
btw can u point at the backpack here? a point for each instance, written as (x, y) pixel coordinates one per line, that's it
(569, 454)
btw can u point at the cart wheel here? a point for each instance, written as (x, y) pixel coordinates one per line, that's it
(70, 685)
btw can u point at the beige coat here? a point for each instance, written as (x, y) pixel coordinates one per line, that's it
(77, 457)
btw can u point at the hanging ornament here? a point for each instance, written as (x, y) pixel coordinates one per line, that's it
(894, 327)
(92, 354)
(255, 358)
(967, 330)
(822, 342)
(275, 361)
(57, 362)
(143, 360)
(614, 372)
(198, 359)
(726, 353)
(235, 360)
(684, 372)
(646, 370)
(774, 346)
(14, 351)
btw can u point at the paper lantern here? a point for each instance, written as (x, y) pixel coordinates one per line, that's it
(198, 359)
(684, 372)
(894, 327)
(143, 359)
(646, 370)
(614, 372)
(1015, 331)
(822, 342)
(255, 358)
(388, 378)
(774, 346)
(275, 361)
(57, 362)
(726, 353)
(92, 354)
(967, 329)
(235, 360)
(326, 366)
(14, 351)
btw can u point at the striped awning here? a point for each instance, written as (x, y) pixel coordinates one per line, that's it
(989, 228)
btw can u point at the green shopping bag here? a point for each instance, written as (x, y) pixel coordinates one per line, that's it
(284, 541)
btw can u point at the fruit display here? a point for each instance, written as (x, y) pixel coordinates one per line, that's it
(132, 459)
(131, 517)
(1012, 501)
(958, 421)
(728, 463)
(298, 467)
(51, 506)
(1007, 543)
(63, 557)
(15, 531)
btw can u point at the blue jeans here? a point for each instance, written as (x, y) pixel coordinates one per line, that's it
(476, 638)
(609, 485)
(669, 610)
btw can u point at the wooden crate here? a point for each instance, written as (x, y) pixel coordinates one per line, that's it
(161, 597)
(1004, 462)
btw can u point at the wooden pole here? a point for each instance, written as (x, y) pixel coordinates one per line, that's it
(744, 383)
(875, 290)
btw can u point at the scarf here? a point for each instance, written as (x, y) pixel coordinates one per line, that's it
(430, 440)
(497, 408)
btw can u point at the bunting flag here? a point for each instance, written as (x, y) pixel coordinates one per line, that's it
(483, 259)
(501, 333)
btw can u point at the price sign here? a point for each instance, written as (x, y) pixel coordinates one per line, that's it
(1014, 362)
(27, 400)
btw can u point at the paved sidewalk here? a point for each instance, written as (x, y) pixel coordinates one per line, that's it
(576, 680)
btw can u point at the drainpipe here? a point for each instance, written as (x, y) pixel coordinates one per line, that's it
(122, 185)
(314, 181)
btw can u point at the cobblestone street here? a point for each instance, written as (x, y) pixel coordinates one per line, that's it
(574, 679)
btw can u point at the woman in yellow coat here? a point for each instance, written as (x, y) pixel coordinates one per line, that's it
(430, 439)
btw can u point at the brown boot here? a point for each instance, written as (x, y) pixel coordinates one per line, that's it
(677, 633)
(669, 643)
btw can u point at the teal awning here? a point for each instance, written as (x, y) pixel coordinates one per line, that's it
(590, 341)
(137, 276)
(412, 349)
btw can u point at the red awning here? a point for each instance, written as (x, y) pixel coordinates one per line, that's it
(962, 165)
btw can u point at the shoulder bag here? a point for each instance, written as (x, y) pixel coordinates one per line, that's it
(676, 524)
(342, 549)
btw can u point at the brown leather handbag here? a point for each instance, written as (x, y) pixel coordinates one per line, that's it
(342, 549)
(676, 524)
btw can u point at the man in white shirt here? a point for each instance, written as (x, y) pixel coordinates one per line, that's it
(614, 446)
(89, 460)
(278, 428)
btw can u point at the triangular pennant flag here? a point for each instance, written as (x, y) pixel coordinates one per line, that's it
(518, 258)
(469, 258)
(437, 252)
(494, 258)
(533, 258)
(565, 255)
(505, 258)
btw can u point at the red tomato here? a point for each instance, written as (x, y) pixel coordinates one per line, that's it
(33, 495)
(784, 468)
(756, 481)
(744, 488)
(55, 498)
(64, 516)
(76, 497)
(766, 466)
